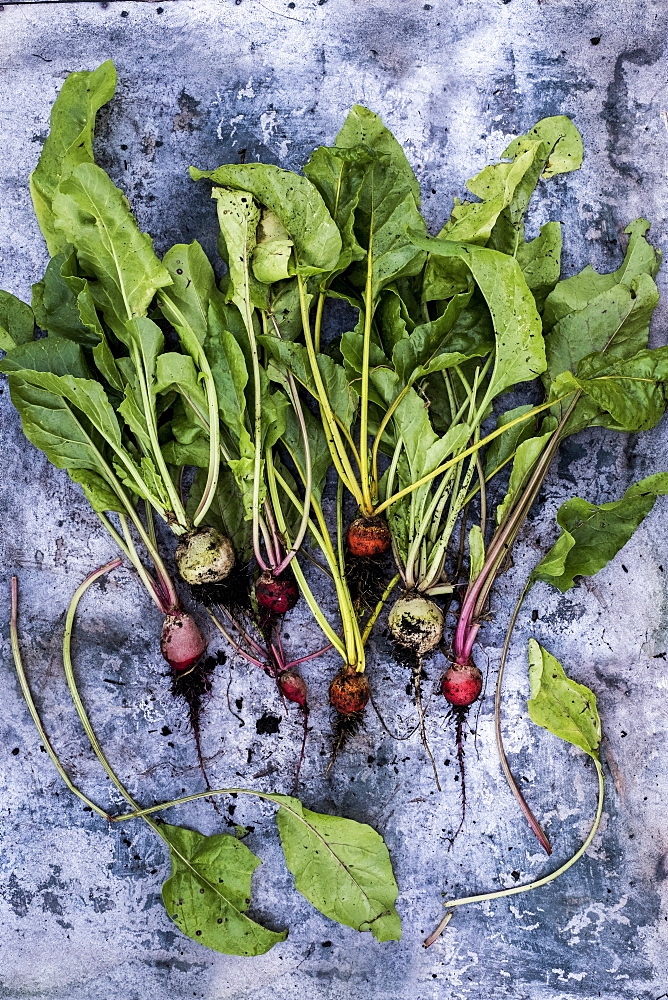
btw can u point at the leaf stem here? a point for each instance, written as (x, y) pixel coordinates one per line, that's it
(523, 804)
(465, 454)
(27, 694)
(483, 897)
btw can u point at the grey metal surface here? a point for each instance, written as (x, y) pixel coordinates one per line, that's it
(80, 913)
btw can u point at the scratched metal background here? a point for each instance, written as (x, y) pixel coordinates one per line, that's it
(81, 917)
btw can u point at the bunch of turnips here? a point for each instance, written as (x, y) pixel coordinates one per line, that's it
(368, 461)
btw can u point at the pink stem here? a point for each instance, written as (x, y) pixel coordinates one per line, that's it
(311, 656)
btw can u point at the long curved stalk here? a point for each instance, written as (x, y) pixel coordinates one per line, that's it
(499, 894)
(27, 694)
(514, 787)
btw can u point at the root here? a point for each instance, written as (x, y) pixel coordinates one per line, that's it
(302, 750)
(345, 727)
(194, 686)
(233, 592)
(366, 581)
(417, 687)
(460, 716)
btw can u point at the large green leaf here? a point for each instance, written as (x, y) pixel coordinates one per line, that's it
(574, 294)
(96, 219)
(239, 217)
(48, 354)
(208, 892)
(338, 175)
(365, 128)
(628, 394)
(540, 261)
(296, 202)
(592, 534)
(17, 323)
(520, 351)
(552, 146)
(342, 867)
(560, 705)
(185, 303)
(385, 212)
(69, 143)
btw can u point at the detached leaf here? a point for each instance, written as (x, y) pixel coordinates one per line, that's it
(17, 323)
(593, 534)
(342, 867)
(560, 705)
(208, 892)
(296, 202)
(69, 142)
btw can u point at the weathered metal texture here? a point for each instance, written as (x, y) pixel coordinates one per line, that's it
(81, 912)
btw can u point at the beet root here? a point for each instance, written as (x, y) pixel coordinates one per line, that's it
(204, 556)
(369, 537)
(349, 692)
(181, 642)
(461, 684)
(277, 594)
(293, 687)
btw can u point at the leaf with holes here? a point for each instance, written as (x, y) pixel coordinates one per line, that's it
(208, 892)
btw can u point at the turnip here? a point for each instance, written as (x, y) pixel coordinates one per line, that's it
(204, 556)
(416, 623)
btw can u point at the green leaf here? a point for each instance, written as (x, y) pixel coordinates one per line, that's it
(17, 323)
(55, 301)
(294, 356)
(628, 394)
(527, 454)
(96, 490)
(96, 219)
(364, 128)
(564, 140)
(385, 212)
(48, 354)
(273, 252)
(338, 175)
(296, 202)
(560, 705)
(69, 143)
(208, 892)
(342, 867)
(429, 339)
(185, 303)
(592, 534)
(574, 294)
(177, 371)
(476, 552)
(520, 351)
(540, 261)
(239, 216)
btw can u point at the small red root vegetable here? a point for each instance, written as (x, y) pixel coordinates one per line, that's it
(369, 537)
(293, 687)
(461, 684)
(349, 692)
(181, 642)
(277, 594)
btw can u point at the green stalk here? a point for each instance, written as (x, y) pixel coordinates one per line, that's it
(336, 446)
(27, 694)
(272, 478)
(467, 451)
(483, 897)
(368, 506)
(158, 457)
